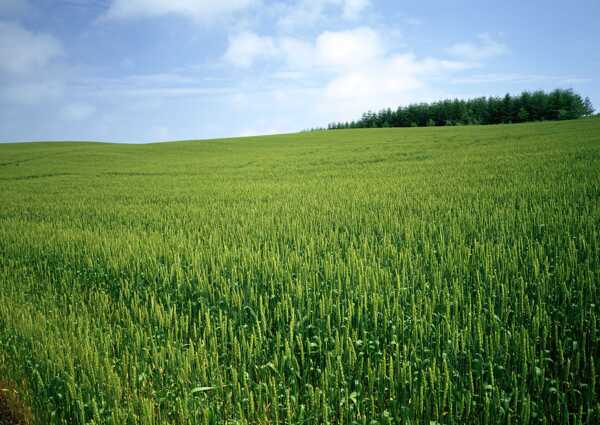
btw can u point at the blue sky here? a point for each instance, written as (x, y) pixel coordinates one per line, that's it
(152, 70)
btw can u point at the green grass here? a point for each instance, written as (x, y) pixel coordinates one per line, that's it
(391, 276)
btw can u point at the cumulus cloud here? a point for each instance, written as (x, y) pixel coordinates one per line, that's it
(22, 51)
(340, 49)
(349, 48)
(245, 48)
(485, 48)
(196, 9)
(386, 81)
(340, 73)
(382, 79)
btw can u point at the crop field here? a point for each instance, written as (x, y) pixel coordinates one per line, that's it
(388, 276)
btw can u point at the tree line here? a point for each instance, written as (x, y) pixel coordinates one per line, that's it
(558, 104)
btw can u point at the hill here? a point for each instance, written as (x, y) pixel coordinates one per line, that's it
(418, 275)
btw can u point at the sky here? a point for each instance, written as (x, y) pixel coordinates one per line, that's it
(139, 71)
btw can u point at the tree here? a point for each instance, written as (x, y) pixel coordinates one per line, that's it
(588, 108)
(538, 102)
(523, 115)
(506, 109)
(556, 105)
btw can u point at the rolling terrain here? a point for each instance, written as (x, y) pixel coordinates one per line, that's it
(443, 275)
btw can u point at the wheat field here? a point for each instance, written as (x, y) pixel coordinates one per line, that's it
(390, 276)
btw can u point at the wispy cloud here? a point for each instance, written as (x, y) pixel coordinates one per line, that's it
(23, 51)
(26, 60)
(197, 9)
(484, 48)
(353, 9)
(518, 78)
(27, 93)
(159, 86)
(308, 13)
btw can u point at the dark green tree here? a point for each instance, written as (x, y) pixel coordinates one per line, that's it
(537, 106)
(588, 108)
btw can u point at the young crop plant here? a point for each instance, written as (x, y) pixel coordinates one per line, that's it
(376, 276)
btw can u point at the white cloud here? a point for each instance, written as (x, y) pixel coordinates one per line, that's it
(339, 74)
(349, 48)
(289, 75)
(341, 49)
(385, 82)
(22, 51)
(485, 48)
(297, 54)
(307, 13)
(245, 48)
(196, 9)
(518, 79)
(304, 13)
(31, 93)
(27, 66)
(352, 9)
(151, 92)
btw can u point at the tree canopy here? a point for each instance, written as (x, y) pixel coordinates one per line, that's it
(559, 104)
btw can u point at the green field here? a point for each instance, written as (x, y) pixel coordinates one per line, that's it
(391, 276)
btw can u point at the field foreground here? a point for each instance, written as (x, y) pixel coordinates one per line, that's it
(395, 276)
